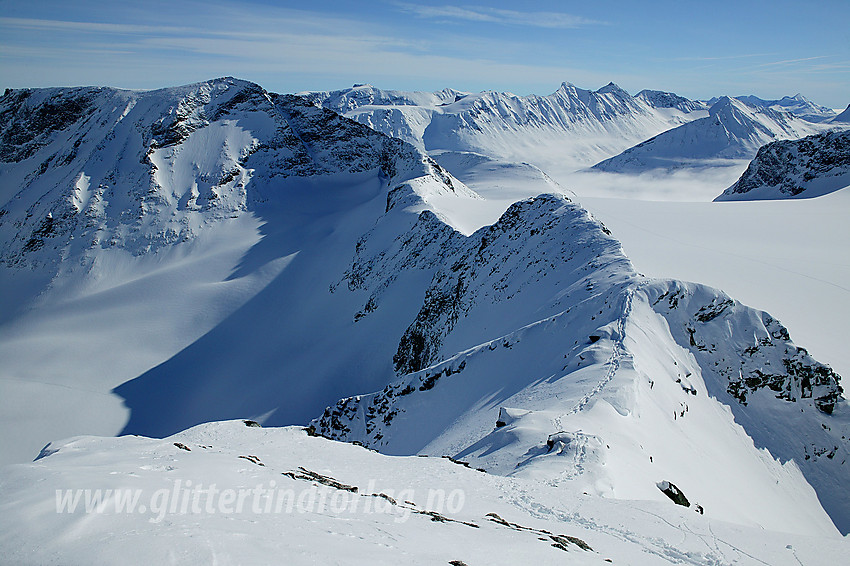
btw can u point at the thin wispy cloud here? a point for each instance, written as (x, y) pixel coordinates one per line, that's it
(555, 20)
(82, 26)
(791, 61)
(285, 43)
(720, 58)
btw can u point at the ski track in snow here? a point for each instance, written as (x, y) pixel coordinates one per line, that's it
(613, 362)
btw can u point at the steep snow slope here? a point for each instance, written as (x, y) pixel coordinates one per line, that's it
(844, 116)
(564, 131)
(732, 131)
(805, 168)
(134, 222)
(308, 501)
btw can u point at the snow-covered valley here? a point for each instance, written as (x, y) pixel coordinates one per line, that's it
(466, 289)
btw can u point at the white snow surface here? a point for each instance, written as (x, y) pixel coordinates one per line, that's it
(499, 520)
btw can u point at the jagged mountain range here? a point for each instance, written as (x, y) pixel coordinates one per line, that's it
(575, 128)
(431, 334)
(568, 129)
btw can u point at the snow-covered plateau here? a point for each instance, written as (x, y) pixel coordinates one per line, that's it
(440, 332)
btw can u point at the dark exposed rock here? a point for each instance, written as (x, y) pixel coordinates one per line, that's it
(252, 459)
(559, 541)
(25, 128)
(788, 167)
(674, 493)
(305, 474)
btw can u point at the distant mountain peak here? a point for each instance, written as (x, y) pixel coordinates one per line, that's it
(798, 105)
(613, 88)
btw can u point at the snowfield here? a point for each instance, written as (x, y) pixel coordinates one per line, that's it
(299, 507)
(467, 288)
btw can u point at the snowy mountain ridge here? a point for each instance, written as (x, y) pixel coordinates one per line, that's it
(446, 400)
(798, 105)
(660, 99)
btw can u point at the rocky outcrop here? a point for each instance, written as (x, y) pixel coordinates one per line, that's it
(804, 168)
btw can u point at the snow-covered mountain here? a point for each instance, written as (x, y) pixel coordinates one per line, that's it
(135, 170)
(798, 105)
(732, 131)
(809, 167)
(566, 130)
(217, 251)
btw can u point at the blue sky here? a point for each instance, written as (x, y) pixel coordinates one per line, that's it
(697, 49)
